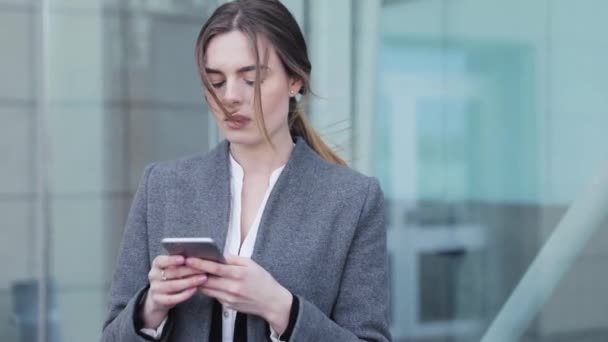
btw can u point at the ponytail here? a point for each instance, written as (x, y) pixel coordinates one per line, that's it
(300, 127)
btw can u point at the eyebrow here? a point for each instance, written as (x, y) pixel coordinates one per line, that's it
(240, 70)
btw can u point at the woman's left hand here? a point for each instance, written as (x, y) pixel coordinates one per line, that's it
(245, 286)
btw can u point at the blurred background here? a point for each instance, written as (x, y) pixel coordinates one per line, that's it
(483, 120)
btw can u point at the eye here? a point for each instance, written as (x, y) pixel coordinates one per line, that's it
(249, 83)
(218, 84)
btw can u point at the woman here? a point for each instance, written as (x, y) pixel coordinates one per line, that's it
(304, 235)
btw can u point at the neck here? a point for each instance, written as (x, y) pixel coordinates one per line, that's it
(263, 158)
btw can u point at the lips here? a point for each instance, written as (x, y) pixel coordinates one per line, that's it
(237, 121)
(237, 118)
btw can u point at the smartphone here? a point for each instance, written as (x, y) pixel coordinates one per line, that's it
(202, 248)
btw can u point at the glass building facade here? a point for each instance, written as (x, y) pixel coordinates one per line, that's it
(484, 121)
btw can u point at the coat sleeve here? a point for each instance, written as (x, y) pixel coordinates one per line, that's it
(362, 306)
(130, 278)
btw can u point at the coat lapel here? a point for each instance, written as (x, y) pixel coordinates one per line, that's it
(208, 210)
(210, 202)
(284, 210)
(211, 182)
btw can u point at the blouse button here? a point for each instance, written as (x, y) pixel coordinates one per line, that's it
(226, 314)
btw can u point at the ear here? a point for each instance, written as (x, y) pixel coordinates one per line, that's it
(295, 85)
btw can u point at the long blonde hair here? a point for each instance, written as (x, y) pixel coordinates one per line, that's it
(272, 20)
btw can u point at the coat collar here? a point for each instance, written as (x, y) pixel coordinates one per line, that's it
(214, 192)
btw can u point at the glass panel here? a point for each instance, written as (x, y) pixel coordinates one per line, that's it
(18, 308)
(488, 119)
(123, 91)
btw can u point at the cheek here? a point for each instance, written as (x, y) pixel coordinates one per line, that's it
(275, 104)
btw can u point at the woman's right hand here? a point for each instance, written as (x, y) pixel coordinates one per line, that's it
(171, 282)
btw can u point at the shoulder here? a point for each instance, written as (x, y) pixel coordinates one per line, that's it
(341, 182)
(187, 166)
(180, 165)
(344, 176)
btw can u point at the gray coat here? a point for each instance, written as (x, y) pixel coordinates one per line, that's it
(322, 236)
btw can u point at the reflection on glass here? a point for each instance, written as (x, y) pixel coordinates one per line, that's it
(467, 140)
(26, 308)
(123, 91)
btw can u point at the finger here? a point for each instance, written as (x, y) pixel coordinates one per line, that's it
(181, 272)
(171, 273)
(238, 260)
(173, 299)
(220, 284)
(164, 261)
(156, 274)
(222, 297)
(178, 285)
(211, 267)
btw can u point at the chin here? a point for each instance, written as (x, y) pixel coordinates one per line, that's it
(242, 138)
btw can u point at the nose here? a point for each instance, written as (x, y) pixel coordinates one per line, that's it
(233, 93)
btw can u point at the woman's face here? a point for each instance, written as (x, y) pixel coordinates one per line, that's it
(230, 66)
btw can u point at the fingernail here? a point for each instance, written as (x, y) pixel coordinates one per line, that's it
(202, 278)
